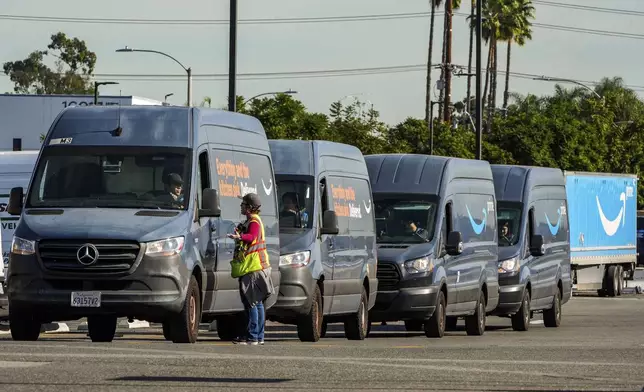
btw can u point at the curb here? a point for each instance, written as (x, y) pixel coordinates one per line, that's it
(136, 324)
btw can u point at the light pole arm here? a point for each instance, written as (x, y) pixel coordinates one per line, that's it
(571, 81)
(163, 54)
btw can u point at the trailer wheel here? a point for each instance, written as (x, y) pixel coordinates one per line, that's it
(620, 279)
(611, 281)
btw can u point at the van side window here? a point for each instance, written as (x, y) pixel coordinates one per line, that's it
(324, 199)
(475, 217)
(339, 197)
(226, 181)
(551, 220)
(529, 231)
(203, 174)
(361, 216)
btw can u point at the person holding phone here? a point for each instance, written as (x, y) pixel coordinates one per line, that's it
(251, 266)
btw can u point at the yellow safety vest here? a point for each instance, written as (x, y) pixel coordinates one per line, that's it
(250, 257)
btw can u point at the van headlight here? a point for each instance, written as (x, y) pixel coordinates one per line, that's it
(298, 259)
(21, 246)
(416, 266)
(509, 265)
(167, 247)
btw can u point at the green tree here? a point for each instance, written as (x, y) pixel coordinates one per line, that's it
(73, 68)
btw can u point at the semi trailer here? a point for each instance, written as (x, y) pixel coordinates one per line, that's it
(603, 230)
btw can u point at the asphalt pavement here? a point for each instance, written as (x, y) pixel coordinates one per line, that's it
(599, 347)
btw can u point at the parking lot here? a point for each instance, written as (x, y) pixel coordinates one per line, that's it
(600, 346)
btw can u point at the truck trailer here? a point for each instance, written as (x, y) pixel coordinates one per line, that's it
(603, 230)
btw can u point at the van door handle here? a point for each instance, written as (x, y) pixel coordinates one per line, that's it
(330, 244)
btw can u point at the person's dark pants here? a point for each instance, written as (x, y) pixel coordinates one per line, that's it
(253, 322)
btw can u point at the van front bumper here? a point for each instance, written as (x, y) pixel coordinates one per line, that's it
(295, 292)
(510, 298)
(153, 290)
(413, 303)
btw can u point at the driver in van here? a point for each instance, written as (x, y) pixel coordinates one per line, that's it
(173, 186)
(505, 232)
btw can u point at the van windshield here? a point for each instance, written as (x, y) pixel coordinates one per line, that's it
(296, 202)
(404, 221)
(123, 177)
(509, 222)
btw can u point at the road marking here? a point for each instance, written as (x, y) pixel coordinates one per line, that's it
(126, 352)
(408, 347)
(21, 364)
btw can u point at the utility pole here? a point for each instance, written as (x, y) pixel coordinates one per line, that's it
(479, 98)
(232, 58)
(448, 61)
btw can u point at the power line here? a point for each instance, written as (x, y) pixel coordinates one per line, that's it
(324, 19)
(328, 19)
(314, 74)
(590, 8)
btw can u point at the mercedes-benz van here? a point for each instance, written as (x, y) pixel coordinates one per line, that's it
(437, 241)
(327, 238)
(127, 215)
(534, 243)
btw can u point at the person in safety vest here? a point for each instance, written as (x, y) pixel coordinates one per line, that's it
(251, 266)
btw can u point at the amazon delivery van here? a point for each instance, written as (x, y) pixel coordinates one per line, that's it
(16, 168)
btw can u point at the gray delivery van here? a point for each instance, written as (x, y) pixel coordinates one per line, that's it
(437, 241)
(327, 238)
(126, 215)
(534, 243)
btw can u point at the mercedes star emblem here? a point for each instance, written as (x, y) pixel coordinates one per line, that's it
(87, 254)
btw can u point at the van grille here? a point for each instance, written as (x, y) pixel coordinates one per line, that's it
(113, 256)
(388, 276)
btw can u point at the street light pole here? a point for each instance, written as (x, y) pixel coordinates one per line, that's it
(232, 58)
(96, 84)
(479, 98)
(188, 70)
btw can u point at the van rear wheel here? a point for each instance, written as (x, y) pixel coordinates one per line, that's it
(309, 326)
(101, 328)
(413, 325)
(356, 325)
(185, 324)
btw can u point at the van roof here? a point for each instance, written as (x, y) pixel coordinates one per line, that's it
(298, 157)
(171, 129)
(511, 180)
(420, 174)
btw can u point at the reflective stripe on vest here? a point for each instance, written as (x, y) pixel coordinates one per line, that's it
(259, 244)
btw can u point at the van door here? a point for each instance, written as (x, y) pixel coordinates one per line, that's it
(449, 262)
(204, 230)
(327, 245)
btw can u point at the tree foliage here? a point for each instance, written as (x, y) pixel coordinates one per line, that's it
(570, 129)
(73, 66)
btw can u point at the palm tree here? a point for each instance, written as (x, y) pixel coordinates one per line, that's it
(450, 6)
(516, 26)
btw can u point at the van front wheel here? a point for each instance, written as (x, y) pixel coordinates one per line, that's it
(475, 324)
(309, 327)
(356, 326)
(185, 325)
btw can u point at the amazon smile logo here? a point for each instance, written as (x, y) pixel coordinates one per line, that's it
(611, 226)
(477, 227)
(554, 229)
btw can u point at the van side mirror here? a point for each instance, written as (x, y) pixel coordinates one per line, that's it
(329, 223)
(454, 244)
(15, 201)
(537, 247)
(210, 204)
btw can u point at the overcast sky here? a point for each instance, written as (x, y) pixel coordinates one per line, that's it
(295, 47)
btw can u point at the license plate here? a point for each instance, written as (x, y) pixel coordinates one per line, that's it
(86, 299)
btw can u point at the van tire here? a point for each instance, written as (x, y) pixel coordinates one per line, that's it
(309, 327)
(521, 319)
(475, 324)
(451, 323)
(414, 325)
(325, 325)
(167, 332)
(185, 324)
(552, 316)
(23, 327)
(227, 328)
(611, 281)
(357, 325)
(101, 329)
(435, 326)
